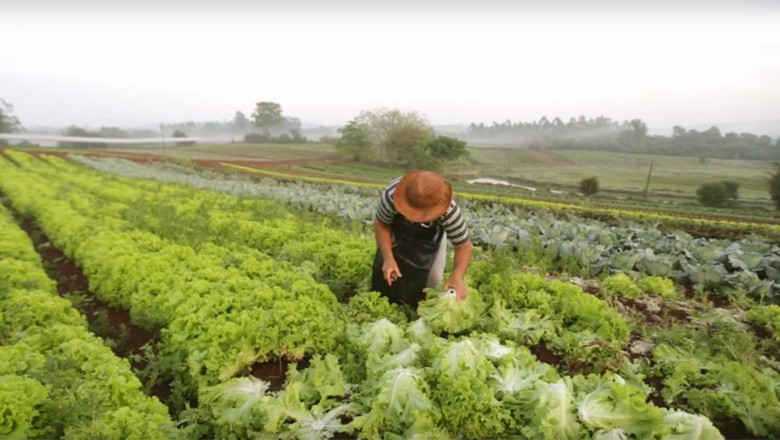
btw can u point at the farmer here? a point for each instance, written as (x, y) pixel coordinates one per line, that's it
(415, 217)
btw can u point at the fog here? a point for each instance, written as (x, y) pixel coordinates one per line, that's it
(147, 63)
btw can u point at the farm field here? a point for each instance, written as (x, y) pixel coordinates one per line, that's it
(309, 162)
(675, 178)
(255, 292)
(671, 176)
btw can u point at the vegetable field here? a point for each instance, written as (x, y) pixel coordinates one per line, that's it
(255, 292)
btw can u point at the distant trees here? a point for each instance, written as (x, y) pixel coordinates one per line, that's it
(718, 194)
(112, 132)
(399, 138)
(240, 122)
(604, 134)
(543, 131)
(639, 133)
(267, 114)
(294, 137)
(9, 123)
(181, 134)
(711, 143)
(81, 132)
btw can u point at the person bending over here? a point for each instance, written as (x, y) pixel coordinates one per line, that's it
(415, 218)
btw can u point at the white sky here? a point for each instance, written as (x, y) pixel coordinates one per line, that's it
(134, 63)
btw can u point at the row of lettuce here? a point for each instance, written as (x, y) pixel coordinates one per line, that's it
(553, 241)
(222, 306)
(57, 380)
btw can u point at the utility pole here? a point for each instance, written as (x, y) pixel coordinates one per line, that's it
(649, 173)
(162, 138)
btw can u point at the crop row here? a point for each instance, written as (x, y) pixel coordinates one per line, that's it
(212, 303)
(57, 380)
(340, 260)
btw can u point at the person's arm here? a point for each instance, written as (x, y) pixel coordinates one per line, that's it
(384, 241)
(457, 280)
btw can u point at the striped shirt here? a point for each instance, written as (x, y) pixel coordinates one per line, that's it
(452, 220)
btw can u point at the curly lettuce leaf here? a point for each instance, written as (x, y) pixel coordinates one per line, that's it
(614, 404)
(397, 403)
(20, 399)
(686, 426)
(444, 312)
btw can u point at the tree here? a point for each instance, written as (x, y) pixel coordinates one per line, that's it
(9, 123)
(544, 123)
(400, 144)
(112, 132)
(391, 136)
(678, 132)
(589, 186)
(292, 123)
(712, 133)
(267, 114)
(640, 133)
(355, 142)
(445, 149)
(181, 134)
(732, 190)
(396, 133)
(420, 159)
(240, 121)
(718, 194)
(297, 137)
(80, 132)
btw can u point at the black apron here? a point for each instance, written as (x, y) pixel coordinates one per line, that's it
(415, 246)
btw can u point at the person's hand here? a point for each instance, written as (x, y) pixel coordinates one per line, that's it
(390, 271)
(461, 292)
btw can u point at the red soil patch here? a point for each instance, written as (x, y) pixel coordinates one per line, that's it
(654, 397)
(734, 430)
(71, 279)
(275, 371)
(546, 355)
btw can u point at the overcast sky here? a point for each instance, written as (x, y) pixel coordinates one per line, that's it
(134, 63)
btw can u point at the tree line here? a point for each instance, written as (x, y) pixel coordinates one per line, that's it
(392, 136)
(605, 134)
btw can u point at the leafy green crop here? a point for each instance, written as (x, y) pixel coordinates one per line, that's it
(20, 399)
(443, 312)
